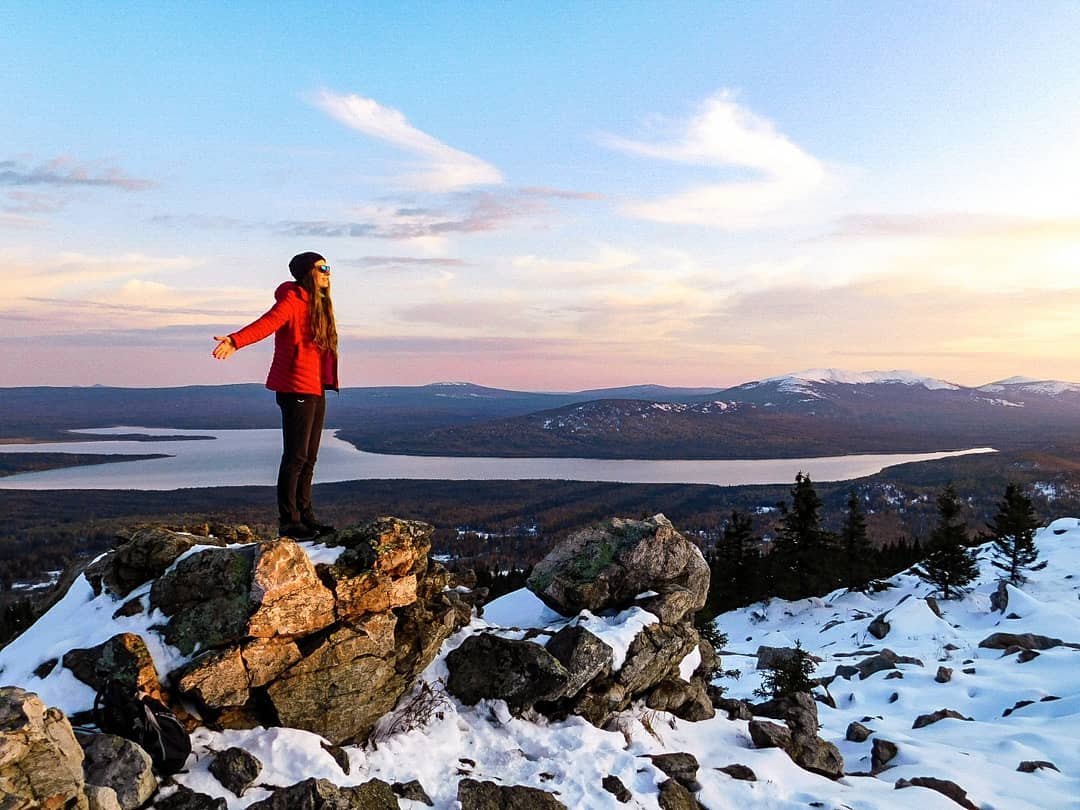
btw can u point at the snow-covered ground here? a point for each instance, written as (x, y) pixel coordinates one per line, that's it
(571, 758)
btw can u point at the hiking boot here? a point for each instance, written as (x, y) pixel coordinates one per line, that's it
(320, 529)
(297, 531)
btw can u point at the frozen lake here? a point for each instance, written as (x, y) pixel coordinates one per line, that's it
(250, 457)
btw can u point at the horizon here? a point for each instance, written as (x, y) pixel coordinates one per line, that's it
(548, 199)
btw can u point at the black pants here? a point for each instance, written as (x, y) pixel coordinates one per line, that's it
(301, 428)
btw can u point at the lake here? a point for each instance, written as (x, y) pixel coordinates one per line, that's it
(250, 457)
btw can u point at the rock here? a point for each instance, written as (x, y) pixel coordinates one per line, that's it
(1018, 705)
(798, 710)
(265, 659)
(655, 654)
(124, 658)
(582, 654)
(999, 599)
(681, 767)
(1026, 655)
(132, 607)
(345, 683)
(207, 596)
(119, 764)
(143, 557)
(769, 735)
(1029, 641)
(341, 757)
(879, 628)
(736, 709)
(816, 755)
(673, 796)
(687, 701)
(770, 657)
(737, 771)
(475, 795)
(320, 794)
(935, 608)
(894, 675)
(614, 786)
(881, 753)
(215, 680)
(927, 719)
(608, 565)
(886, 659)
(397, 547)
(942, 786)
(413, 791)
(857, 732)
(487, 666)
(1032, 765)
(102, 798)
(235, 769)
(184, 798)
(845, 671)
(41, 764)
(944, 674)
(288, 596)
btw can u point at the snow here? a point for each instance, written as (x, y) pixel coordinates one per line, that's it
(836, 375)
(571, 757)
(1050, 388)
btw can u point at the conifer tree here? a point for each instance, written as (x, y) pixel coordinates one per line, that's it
(801, 561)
(789, 675)
(1013, 531)
(733, 566)
(855, 543)
(950, 565)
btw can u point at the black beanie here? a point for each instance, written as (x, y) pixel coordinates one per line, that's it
(302, 263)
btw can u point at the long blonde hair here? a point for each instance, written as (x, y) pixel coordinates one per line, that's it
(321, 308)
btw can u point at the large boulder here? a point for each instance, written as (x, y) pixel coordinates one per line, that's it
(144, 556)
(486, 666)
(124, 657)
(41, 763)
(321, 794)
(583, 654)
(119, 764)
(475, 795)
(345, 683)
(801, 743)
(1028, 641)
(609, 566)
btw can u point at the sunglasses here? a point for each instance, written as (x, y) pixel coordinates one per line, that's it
(323, 268)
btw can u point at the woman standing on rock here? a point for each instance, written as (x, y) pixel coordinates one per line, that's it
(304, 367)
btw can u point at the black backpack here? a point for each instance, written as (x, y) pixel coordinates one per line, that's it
(126, 712)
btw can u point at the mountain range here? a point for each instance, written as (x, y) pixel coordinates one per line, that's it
(814, 412)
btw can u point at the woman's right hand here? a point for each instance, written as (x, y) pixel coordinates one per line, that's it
(224, 348)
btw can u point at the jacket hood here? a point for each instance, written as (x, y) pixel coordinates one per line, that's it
(287, 287)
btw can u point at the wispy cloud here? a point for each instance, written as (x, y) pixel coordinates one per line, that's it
(955, 225)
(463, 212)
(401, 262)
(726, 136)
(65, 171)
(442, 167)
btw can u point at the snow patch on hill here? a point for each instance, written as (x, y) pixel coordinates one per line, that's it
(797, 382)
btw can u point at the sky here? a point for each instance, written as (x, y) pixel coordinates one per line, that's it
(550, 196)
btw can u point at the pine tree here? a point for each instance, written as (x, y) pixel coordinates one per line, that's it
(950, 565)
(1013, 531)
(801, 561)
(859, 555)
(733, 566)
(788, 675)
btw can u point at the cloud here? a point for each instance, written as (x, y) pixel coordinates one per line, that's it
(726, 136)
(954, 225)
(442, 168)
(463, 212)
(401, 263)
(65, 171)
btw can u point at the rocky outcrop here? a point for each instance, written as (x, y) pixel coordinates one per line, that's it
(613, 564)
(1027, 641)
(281, 641)
(605, 568)
(924, 720)
(320, 794)
(41, 764)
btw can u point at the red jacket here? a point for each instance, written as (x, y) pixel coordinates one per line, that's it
(299, 366)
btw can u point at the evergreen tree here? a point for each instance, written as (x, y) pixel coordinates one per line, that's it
(859, 555)
(733, 566)
(788, 675)
(801, 558)
(1013, 531)
(950, 565)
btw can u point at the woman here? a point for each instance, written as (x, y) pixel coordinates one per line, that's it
(304, 366)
